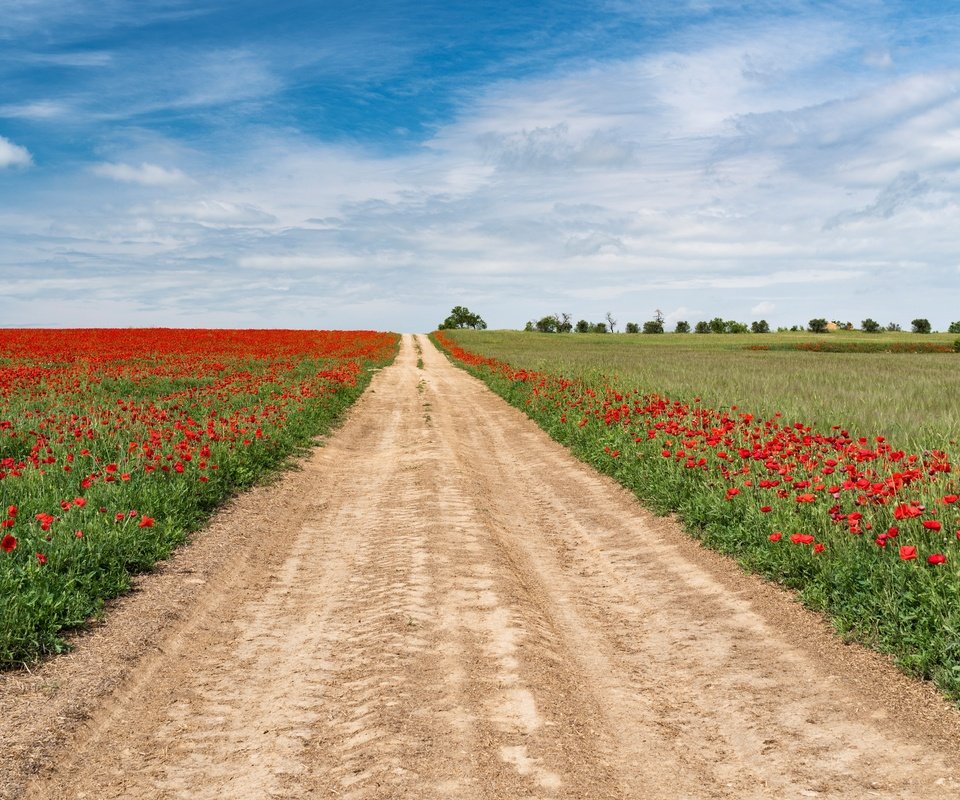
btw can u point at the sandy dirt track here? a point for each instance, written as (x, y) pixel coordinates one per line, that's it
(442, 603)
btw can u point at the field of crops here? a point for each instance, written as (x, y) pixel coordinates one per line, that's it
(831, 473)
(116, 444)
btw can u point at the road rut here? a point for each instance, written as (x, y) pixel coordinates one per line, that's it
(443, 603)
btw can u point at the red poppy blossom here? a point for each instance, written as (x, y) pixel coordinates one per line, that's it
(905, 511)
(936, 558)
(907, 552)
(41, 559)
(146, 522)
(8, 544)
(775, 537)
(932, 525)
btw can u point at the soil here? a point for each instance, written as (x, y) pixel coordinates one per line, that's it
(440, 602)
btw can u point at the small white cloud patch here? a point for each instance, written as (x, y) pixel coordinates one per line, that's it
(13, 155)
(145, 174)
(765, 307)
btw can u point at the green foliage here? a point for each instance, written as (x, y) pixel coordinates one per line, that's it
(717, 325)
(682, 327)
(632, 327)
(703, 327)
(760, 326)
(653, 326)
(870, 326)
(921, 325)
(462, 317)
(546, 324)
(582, 326)
(732, 326)
(909, 608)
(129, 518)
(818, 325)
(954, 327)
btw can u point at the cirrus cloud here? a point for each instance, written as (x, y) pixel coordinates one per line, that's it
(145, 174)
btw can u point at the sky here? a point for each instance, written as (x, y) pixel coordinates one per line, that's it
(230, 163)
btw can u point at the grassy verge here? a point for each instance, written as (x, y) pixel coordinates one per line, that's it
(863, 527)
(115, 445)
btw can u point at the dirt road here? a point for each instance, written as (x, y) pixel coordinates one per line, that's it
(443, 604)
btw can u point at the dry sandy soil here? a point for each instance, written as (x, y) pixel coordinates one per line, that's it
(443, 603)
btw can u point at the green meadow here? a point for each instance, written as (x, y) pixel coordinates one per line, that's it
(911, 398)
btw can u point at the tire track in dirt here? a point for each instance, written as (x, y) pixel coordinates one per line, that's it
(444, 604)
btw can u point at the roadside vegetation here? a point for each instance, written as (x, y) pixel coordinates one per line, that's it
(829, 473)
(116, 444)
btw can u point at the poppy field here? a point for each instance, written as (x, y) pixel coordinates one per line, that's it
(115, 444)
(829, 473)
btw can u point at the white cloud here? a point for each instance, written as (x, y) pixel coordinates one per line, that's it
(145, 174)
(13, 155)
(40, 109)
(87, 58)
(681, 313)
(699, 180)
(879, 59)
(215, 212)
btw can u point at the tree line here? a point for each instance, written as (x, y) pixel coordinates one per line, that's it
(562, 323)
(462, 317)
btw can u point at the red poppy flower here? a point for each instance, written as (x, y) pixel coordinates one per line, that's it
(904, 511)
(8, 543)
(818, 548)
(146, 522)
(766, 509)
(936, 558)
(908, 552)
(41, 559)
(932, 525)
(775, 537)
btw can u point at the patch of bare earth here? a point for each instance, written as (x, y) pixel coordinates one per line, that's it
(444, 604)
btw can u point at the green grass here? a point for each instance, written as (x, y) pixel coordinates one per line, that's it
(908, 397)
(865, 530)
(105, 468)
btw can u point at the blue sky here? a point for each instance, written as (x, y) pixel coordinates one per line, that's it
(311, 165)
